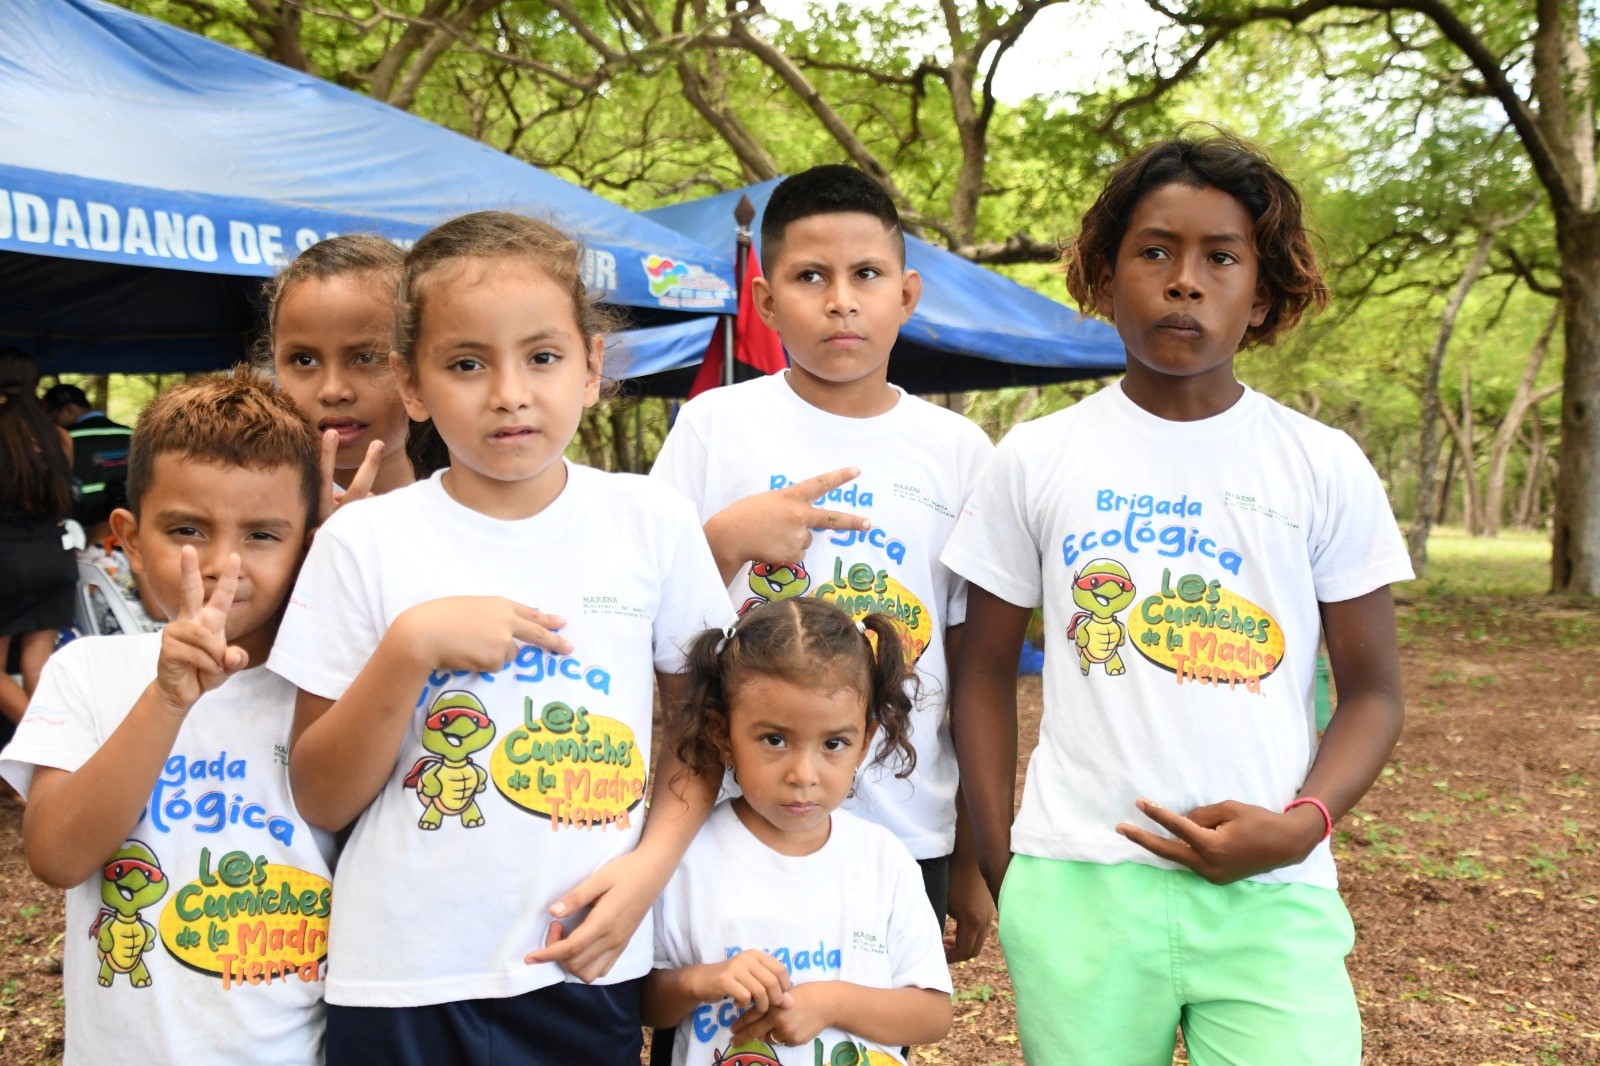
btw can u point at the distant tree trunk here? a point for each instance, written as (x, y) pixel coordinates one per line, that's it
(1575, 529)
(1422, 521)
(1462, 436)
(1506, 435)
(1441, 496)
(623, 453)
(1535, 472)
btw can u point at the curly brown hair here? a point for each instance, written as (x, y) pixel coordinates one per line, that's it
(806, 642)
(1286, 259)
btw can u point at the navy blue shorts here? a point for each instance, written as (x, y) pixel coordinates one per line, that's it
(555, 1026)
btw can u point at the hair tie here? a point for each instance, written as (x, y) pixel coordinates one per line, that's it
(728, 633)
(861, 627)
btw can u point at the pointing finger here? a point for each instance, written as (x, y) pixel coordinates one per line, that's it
(227, 586)
(360, 486)
(194, 589)
(1173, 822)
(820, 519)
(813, 488)
(325, 461)
(1172, 850)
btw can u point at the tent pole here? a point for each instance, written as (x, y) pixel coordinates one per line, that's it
(743, 214)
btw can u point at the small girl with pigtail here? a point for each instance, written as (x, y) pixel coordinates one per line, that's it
(793, 930)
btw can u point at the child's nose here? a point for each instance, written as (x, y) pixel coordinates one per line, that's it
(842, 298)
(509, 390)
(336, 384)
(1184, 281)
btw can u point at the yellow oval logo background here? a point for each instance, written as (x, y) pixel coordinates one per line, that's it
(279, 943)
(588, 778)
(896, 601)
(1212, 638)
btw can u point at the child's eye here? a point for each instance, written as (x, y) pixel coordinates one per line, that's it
(773, 740)
(1224, 258)
(868, 273)
(364, 358)
(302, 359)
(835, 744)
(1153, 253)
(261, 535)
(183, 531)
(465, 364)
(808, 276)
(543, 358)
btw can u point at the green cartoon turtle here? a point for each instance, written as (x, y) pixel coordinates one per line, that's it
(448, 781)
(131, 880)
(772, 582)
(1101, 588)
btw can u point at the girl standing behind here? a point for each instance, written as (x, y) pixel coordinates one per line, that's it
(331, 317)
(493, 756)
(795, 932)
(38, 577)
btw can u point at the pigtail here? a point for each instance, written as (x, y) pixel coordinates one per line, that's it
(694, 727)
(426, 449)
(894, 684)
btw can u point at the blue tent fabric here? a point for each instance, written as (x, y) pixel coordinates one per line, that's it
(128, 143)
(972, 329)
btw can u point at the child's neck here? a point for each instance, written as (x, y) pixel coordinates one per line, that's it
(792, 844)
(257, 643)
(1181, 399)
(865, 398)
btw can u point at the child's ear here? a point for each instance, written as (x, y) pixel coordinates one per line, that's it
(597, 359)
(910, 294)
(1102, 295)
(125, 527)
(766, 306)
(406, 382)
(717, 728)
(1263, 303)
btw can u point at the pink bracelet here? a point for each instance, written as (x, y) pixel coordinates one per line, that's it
(1319, 805)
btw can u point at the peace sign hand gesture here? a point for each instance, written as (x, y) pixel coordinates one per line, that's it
(195, 654)
(360, 487)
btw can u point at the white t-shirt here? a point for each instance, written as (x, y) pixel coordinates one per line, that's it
(233, 935)
(918, 464)
(1196, 685)
(852, 911)
(551, 783)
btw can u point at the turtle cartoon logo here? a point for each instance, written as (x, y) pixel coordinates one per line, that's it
(131, 880)
(772, 582)
(749, 1053)
(1101, 588)
(447, 780)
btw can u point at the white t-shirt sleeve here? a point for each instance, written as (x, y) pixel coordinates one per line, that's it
(1355, 544)
(994, 544)
(916, 945)
(331, 624)
(59, 729)
(682, 460)
(975, 461)
(693, 597)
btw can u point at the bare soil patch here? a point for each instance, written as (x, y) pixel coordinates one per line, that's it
(1471, 868)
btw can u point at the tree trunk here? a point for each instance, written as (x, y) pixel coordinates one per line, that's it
(1441, 496)
(1535, 473)
(1422, 521)
(1506, 435)
(1575, 534)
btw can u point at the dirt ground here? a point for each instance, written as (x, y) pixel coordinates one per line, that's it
(1471, 868)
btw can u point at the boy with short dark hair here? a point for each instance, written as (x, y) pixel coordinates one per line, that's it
(155, 765)
(837, 291)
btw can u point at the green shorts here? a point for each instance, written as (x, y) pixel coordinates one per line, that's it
(1107, 962)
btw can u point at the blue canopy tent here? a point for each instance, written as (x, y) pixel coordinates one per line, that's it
(150, 178)
(973, 328)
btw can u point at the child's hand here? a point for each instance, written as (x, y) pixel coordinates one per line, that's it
(810, 1008)
(360, 486)
(752, 979)
(195, 654)
(478, 633)
(775, 526)
(619, 896)
(1229, 841)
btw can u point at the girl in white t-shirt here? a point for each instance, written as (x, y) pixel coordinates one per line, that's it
(794, 932)
(475, 655)
(330, 317)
